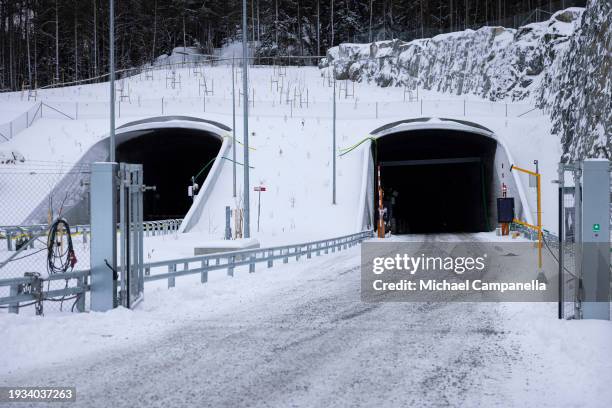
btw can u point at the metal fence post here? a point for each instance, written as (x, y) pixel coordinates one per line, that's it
(103, 248)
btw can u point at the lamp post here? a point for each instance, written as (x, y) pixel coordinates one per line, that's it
(112, 80)
(245, 91)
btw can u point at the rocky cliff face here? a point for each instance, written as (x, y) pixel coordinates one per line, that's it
(579, 98)
(562, 65)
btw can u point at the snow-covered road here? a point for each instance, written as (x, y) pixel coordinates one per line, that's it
(298, 335)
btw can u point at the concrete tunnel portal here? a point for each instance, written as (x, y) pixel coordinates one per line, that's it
(437, 176)
(171, 155)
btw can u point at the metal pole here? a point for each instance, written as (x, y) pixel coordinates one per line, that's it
(247, 218)
(334, 147)
(258, 208)
(112, 81)
(561, 232)
(233, 129)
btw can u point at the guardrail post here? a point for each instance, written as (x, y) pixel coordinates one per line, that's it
(286, 258)
(297, 253)
(308, 252)
(270, 258)
(326, 248)
(147, 271)
(318, 250)
(333, 246)
(171, 278)
(81, 283)
(252, 264)
(14, 291)
(230, 262)
(9, 240)
(204, 274)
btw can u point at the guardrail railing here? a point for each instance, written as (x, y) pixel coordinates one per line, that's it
(16, 234)
(30, 290)
(231, 260)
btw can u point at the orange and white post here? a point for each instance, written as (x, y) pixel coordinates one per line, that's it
(381, 208)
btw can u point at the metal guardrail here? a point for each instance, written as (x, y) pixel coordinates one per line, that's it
(13, 233)
(31, 289)
(233, 259)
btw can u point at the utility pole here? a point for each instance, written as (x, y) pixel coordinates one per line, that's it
(334, 146)
(245, 90)
(233, 128)
(112, 80)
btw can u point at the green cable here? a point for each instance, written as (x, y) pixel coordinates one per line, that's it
(212, 161)
(353, 147)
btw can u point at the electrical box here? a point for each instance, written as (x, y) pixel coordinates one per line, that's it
(505, 209)
(595, 251)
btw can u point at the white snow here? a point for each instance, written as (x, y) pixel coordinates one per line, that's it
(306, 319)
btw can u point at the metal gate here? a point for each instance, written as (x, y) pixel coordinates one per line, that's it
(584, 239)
(569, 240)
(131, 191)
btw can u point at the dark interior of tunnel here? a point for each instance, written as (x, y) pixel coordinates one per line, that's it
(170, 157)
(436, 181)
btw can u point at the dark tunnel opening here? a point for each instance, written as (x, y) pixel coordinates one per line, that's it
(170, 157)
(436, 181)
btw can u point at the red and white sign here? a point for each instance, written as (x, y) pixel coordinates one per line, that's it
(259, 188)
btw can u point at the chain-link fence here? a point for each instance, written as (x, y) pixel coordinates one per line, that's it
(36, 194)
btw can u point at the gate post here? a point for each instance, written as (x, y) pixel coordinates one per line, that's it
(103, 249)
(595, 256)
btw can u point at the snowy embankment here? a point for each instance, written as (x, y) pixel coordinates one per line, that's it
(563, 65)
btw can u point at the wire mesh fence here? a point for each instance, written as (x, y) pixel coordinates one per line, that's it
(32, 241)
(569, 211)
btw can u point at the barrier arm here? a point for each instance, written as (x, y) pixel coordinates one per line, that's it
(537, 227)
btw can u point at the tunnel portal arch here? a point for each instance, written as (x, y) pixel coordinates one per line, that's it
(172, 150)
(439, 175)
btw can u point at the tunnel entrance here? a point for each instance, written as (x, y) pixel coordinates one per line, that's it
(170, 157)
(436, 180)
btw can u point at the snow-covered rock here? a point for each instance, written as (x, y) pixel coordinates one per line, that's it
(578, 94)
(563, 65)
